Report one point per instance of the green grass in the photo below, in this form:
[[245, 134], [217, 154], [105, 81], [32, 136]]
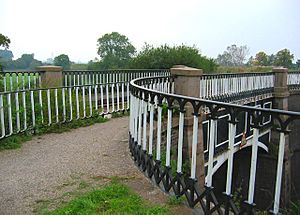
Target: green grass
[[173, 200], [114, 198], [14, 142], [293, 209]]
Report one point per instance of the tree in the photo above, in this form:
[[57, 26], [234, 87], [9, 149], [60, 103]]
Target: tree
[[4, 41], [62, 60], [115, 50], [261, 59], [6, 55], [298, 64], [164, 57], [284, 58], [233, 56], [271, 59], [26, 61]]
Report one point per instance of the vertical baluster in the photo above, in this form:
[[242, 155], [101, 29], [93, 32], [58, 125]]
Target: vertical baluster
[[231, 140], [40, 80], [34, 80], [24, 109], [56, 105], [151, 128], [123, 99], [23, 81], [77, 103], [17, 112], [140, 122], [70, 103], [63, 103], [101, 99], [131, 117], [17, 81], [194, 146], [253, 166], [41, 106], [9, 106], [66, 79], [107, 98], [118, 97], [2, 117], [145, 126], [113, 97], [128, 101], [32, 108], [279, 173], [96, 97], [136, 114], [180, 142], [90, 101], [158, 142], [212, 135], [169, 130], [49, 107], [11, 82], [83, 101]]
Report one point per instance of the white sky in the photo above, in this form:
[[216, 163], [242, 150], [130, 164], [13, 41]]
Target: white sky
[[48, 28]]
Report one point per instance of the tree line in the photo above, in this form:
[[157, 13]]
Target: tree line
[[237, 56], [116, 52]]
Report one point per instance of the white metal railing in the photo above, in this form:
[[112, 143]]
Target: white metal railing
[[225, 85], [25, 109], [83, 77], [157, 145], [293, 78], [21, 80]]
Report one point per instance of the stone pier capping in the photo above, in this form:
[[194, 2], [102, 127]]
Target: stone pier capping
[[51, 76], [280, 82], [187, 80]]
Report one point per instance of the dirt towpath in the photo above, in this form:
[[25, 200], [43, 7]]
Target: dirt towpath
[[51, 169]]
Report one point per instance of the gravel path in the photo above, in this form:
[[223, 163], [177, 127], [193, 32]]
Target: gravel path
[[48, 167], [35, 170]]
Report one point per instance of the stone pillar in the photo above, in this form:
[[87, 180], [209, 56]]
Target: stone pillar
[[51, 76], [281, 95], [187, 83]]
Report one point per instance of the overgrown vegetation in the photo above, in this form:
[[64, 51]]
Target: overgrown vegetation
[[243, 69], [173, 200], [14, 142], [165, 57], [115, 198], [293, 209]]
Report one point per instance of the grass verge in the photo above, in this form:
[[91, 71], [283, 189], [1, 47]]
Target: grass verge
[[114, 198], [15, 141]]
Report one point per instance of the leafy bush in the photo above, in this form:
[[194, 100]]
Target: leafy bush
[[165, 57]]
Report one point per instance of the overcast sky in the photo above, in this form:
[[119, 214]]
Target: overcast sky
[[48, 28]]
